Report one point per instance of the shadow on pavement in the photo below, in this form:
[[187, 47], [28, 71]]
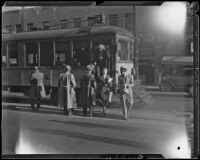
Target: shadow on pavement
[[58, 111], [109, 140], [28, 109], [105, 126]]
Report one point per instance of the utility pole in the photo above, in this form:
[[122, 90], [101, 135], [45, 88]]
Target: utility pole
[[136, 41], [22, 19]]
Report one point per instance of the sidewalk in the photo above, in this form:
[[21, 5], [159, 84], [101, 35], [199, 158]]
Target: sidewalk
[[151, 88], [112, 113]]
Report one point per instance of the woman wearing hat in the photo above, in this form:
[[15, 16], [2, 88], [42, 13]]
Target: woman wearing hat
[[104, 89], [37, 88], [66, 92], [125, 84], [87, 91]]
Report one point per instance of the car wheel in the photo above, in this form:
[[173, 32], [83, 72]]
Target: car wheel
[[166, 87]]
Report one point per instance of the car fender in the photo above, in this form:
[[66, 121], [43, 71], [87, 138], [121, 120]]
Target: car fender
[[162, 81]]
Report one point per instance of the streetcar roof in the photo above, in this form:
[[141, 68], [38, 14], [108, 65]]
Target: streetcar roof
[[76, 32]]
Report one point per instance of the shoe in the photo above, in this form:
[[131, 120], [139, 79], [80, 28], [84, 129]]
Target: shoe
[[64, 111], [125, 118], [32, 108], [69, 113]]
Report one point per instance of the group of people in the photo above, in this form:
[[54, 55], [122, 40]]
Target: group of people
[[93, 90]]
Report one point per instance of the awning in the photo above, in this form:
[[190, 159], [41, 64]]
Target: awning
[[184, 60]]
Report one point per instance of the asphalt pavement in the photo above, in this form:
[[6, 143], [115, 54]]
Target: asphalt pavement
[[159, 128]]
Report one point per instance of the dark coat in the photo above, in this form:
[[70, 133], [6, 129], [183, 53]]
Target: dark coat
[[104, 87], [37, 87], [66, 92], [87, 90]]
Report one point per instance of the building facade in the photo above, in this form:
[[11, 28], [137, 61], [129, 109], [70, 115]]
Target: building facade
[[152, 42]]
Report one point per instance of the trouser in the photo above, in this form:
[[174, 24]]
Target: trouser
[[123, 100], [91, 108], [110, 97], [67, 111]]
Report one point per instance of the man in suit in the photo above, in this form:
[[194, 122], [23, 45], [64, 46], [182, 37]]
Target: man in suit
[[88, 91], [37, 88], [125, 84]]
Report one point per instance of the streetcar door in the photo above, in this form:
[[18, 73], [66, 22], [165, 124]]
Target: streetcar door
[[106, 53]]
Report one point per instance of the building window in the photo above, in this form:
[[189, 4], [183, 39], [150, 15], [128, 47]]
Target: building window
[[46, 54], [91, 21], [19, 28], [62, 53], [30, 26], [64, 24], [77, 22], [45, 25], [113, 20], [4, 56], [128, 21], [31, 54], [9, 28], [13, 54]]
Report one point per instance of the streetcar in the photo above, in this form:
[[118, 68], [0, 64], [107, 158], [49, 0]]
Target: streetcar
[[51, 49]]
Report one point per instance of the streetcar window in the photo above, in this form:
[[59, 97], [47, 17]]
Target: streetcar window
[[122, 50], [64, 24], [45, 25], [4, 56], [81, 53], [31, 54], [13, 54], [19, 28], [46, 54], [30, 26], [91, 21], [62, 53]]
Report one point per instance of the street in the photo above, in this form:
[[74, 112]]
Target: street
[[157, 129]]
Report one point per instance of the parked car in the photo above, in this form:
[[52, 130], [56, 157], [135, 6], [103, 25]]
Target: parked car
[[173, 79]]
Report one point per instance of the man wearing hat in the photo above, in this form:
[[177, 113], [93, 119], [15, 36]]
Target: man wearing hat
[[66, 92], [104, 89], [87, 91], [37, 88], [125, 84]]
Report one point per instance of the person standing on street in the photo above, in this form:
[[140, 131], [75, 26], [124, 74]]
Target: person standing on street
[[37, 88], [125, 84], [66, 92], [104, 89], [87, 91]]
